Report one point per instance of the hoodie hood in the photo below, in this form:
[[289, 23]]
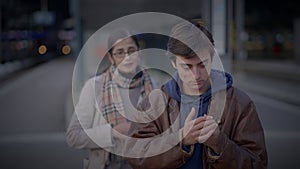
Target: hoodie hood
[[220, 81]]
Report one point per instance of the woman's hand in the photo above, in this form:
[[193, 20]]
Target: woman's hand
[[121, 130]]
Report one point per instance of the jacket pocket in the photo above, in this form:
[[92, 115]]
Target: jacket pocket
[[86, 163]]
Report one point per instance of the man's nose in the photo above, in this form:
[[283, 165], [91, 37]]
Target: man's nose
[[196, 72]]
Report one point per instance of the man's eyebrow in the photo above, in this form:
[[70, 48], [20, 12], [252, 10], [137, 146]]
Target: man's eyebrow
[[201, 62], [206, 60]]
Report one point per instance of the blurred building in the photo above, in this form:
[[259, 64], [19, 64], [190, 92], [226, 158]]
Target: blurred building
[[269, 29], [29, 32], [242, 29]]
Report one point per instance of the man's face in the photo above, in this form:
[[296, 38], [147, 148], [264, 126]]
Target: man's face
[[194, 72]]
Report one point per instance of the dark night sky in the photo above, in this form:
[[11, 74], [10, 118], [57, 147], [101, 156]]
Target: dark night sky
[[258, 13], [271, 13], [14, 12], [60, 6]]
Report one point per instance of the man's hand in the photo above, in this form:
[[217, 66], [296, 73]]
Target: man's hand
[[208, 129], [211, 137], [198, 130], [192, 128]]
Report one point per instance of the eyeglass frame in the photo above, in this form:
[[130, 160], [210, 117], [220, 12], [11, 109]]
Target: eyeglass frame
[[122, 54]]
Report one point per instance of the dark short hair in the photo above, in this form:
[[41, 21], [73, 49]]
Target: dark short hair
[[186, 36], [120, 34]]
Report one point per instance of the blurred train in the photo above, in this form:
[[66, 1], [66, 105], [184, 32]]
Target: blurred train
[[33, 37], [38, 44]]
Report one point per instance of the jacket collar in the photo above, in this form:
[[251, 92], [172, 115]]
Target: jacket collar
[[220, 81]]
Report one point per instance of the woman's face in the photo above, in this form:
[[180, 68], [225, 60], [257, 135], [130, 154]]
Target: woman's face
[[125, 55]]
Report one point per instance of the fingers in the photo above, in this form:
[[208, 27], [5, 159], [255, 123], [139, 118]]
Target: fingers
[[203, 127], [207, 131], [197, 120], [203, 124], [196, 124], [203, 138], [188, 124], [210, 125], [191, 115], [202, 131], [201, 119]]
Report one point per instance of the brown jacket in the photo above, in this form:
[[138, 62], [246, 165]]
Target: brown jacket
[[241, 136]]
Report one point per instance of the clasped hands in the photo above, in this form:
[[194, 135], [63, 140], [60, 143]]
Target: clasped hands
[[203, 129]]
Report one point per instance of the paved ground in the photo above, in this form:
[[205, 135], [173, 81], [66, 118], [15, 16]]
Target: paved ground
[[32, 119]]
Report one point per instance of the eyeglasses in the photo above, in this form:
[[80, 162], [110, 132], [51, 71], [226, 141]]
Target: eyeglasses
[[122, 53]]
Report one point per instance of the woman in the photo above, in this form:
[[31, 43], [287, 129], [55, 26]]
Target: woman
[[105, 102]]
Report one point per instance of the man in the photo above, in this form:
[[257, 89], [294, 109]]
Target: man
[[224, 134]]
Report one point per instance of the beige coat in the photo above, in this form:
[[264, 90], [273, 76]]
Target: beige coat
[[90, 125], [89, 130]]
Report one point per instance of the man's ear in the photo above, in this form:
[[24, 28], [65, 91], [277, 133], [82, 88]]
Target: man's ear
[[174, 63]]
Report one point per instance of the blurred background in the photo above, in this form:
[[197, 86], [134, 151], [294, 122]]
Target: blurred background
[[258, 43]]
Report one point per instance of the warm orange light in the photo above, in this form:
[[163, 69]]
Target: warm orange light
[[42, 49], [66, 49]]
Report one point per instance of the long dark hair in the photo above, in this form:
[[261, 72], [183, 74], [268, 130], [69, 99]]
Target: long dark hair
[[120, 34], [112, 39]]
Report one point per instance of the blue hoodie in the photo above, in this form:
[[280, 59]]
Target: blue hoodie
[[220, 81]]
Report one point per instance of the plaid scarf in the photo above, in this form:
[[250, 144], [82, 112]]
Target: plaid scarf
[[112, 105]]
